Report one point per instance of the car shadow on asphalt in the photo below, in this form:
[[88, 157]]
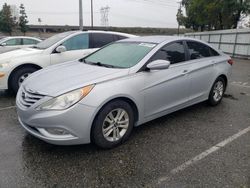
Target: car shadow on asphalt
[[166, 122]]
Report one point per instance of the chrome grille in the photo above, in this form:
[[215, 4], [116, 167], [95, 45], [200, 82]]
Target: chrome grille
[[29, 98]]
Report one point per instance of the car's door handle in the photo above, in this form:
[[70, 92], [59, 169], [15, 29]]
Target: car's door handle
[[185, 72]]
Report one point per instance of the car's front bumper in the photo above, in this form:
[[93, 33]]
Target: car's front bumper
[[77, 121]]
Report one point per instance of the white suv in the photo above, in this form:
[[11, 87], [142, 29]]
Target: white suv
[[16, 66]]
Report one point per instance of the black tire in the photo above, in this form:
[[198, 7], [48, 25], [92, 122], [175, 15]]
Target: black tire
[[97, 128], [211, 99], [14, 79]]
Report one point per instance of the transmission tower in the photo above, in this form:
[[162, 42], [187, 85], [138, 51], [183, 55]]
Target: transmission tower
[[105, 16]]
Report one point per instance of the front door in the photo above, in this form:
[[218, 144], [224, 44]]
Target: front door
[[167, 89], [77, 47]]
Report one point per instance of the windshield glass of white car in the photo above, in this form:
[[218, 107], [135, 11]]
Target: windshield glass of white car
[[120, 55], [52, 40]]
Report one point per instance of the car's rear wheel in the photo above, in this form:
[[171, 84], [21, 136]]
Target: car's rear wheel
[[18, 77], [113, 124], [217, 91]]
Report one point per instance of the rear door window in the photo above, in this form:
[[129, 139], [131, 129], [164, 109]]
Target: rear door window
[[174, 52], [119, 37], [198, 50], [29, 41], [99, 40]]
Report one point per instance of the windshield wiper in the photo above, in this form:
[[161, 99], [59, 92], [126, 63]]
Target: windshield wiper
[[98, 64], [36, 47], [104, 65]]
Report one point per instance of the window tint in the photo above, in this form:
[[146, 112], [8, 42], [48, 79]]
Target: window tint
[[77, 42], [174, 52], [99, 40], [29, 41], [13, 42], [198, 50], [213, 52], [119, 37]]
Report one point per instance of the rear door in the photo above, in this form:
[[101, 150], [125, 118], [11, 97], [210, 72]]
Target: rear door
[[76, 48], [167, 89], [202, 60]]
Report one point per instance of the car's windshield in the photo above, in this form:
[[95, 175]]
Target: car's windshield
[[2, 39], [52, 40], [121, 54]]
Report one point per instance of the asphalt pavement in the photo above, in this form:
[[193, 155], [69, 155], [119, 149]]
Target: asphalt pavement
[[200, 146]]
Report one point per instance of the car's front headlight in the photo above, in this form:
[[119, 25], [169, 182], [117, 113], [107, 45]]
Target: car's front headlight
[[66, 100], [3, 65]]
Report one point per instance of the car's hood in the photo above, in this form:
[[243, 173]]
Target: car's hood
[[4, 49], [65, 77], [19, 53]]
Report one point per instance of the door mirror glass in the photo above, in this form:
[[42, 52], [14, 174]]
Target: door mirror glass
[[3, 44], [61, 49], [158, 65]]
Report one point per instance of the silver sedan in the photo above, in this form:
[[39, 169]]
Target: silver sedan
[[101, 97]]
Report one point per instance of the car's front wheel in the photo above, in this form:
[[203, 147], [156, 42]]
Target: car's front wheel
[[18, 77], [217, 91], [113, 124]]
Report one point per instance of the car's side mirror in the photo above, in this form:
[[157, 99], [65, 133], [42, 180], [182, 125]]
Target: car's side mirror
[[61, 49], [3, 44], [158, 65]]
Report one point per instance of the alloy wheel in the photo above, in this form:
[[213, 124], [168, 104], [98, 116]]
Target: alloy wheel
[[218, 91], [115, 125]]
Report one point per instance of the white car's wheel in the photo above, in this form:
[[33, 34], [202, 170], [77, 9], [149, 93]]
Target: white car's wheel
[[18, 77]]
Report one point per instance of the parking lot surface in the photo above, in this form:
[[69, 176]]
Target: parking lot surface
[[200, 146]]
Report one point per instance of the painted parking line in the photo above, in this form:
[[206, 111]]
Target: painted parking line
[[241, 84], [204, 154], [7, 108]]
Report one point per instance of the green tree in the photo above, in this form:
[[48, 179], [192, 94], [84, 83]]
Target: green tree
[[23, 20], [214, 14], [6, 20]]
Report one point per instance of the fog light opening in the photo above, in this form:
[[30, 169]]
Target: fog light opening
[[56, 133]]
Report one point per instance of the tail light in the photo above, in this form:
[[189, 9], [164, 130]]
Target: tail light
[[230, 61]]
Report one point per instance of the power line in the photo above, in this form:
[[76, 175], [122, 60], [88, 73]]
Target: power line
[[156, 3], [58, 13]]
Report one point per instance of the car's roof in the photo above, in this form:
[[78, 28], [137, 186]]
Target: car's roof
[[25, 37], [112, 32], [101, 31], [156, 39]]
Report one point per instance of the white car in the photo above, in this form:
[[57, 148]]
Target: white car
[[16, 66], [13, 43]]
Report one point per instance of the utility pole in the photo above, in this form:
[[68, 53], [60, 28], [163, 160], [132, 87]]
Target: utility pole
[[80, 16], [92, 15], [40, 23]]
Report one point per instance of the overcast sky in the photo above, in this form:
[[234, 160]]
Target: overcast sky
[[144, 13]]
